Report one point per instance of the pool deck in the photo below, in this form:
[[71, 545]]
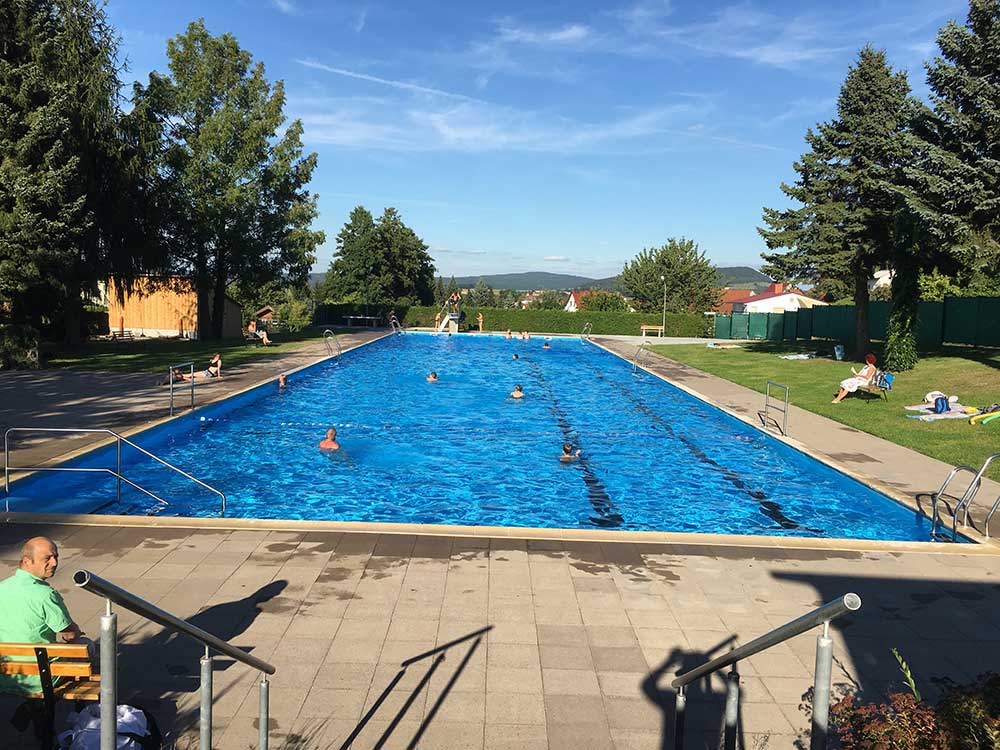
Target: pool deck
[[582, 638], [125, 401], [899, 471]]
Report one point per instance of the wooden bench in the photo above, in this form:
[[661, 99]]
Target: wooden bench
[[879, 391], [253, 338], [123, 338], [68, 661], [649, 329]]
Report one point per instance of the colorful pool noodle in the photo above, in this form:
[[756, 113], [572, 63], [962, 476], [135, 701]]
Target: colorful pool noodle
[[991, 417], [984, 417]]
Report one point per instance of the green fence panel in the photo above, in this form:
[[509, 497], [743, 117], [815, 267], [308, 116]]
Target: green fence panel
[[878, 320], [822, 327], [930, 325], [988, 331], [804, 324], [775, 322], [741, 325], [758, 325], [789, 324], [960, 320], [723, 327]]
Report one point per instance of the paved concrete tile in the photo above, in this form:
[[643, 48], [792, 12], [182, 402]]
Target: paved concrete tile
[[621, 684], [632, 713], [515, 708], [570, 682], [458, 706], [440, 735], [513, 655], [345, 650], [630, 739], [612, 659], [516, 737], [574, 709], [344, 675], [574, 737], [611, 635], [511, 680], [565, 657], [333, 703], [561, 635], [513, 632], [385, 734]]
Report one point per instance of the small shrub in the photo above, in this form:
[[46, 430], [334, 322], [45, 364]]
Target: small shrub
[[18, 347], [966, 718]]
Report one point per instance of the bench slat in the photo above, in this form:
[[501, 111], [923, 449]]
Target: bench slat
[[65, 650], [77, 690], [57, 668]]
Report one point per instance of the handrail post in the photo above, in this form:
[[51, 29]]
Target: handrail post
[[205, 713], [6, 471], [732, 708], [191, 376], [118, 442], [680, 704], [821, 690], [262, 719], [109, 678], [171, 377]]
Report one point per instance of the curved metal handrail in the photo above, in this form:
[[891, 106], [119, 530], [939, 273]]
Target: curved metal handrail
[[394, 324], [120, 439], [588, 327], [329, 335], [637, 357], [966, 500], [170, 377], [936, 496]]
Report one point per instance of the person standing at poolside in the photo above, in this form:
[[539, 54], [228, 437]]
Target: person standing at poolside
[[479, 320], [518, 392], [330, 443]]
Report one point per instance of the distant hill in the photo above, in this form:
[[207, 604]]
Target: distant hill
[[742, 277], [529, 280]]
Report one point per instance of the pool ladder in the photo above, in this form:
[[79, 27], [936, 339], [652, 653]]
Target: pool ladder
[[639, 356], [117, 473], [394, 325], [964, 503], [329, 336], [585, 333]]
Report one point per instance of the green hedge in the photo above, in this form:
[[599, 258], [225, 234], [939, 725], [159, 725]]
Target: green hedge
[[560, 321], [18, 347]]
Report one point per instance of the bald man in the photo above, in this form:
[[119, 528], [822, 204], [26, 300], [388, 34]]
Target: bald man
[[31, 611]]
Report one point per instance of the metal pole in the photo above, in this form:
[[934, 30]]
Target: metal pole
[[679, 706], [664, 332], [732, 708], [205, 714], [6, 471], [191, 376], [821, 690], [171, 376], [264, 685], [119, 442], [109, 678]]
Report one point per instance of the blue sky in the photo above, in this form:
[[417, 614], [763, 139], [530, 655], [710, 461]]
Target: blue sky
[[558, 136]]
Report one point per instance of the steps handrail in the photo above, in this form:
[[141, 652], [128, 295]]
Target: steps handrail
[[936, 496], [588, 327], [965, 502], [113, 594], [98, 586], [98, 430], [329, 335], [821, 615], [638, 356], [170, 377]]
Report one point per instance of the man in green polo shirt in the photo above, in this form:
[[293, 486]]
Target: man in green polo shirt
[[31, 611]]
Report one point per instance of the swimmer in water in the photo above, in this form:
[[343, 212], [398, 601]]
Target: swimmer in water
[[282, 381], [508, 335], [568, 454], [546, 345], [518, 392], [432, 378], [330, 443], [514, 356]]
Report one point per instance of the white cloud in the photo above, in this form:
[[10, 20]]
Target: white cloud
[[360, 20], [555, 259], [568, 34], [446, 251], [285, 6]]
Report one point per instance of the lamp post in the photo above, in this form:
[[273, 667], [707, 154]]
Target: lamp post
[[664, 280]]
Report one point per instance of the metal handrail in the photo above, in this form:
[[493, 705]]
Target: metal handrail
[[936, 496], [965, 502], [121, 478], [329, 335], [989, 517], [394, 325], [637, 357], [170, 375], [111, 593], [763, 416], [588, 327], [849, 602]]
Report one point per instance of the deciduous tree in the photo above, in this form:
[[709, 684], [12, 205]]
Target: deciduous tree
[[691, 280]]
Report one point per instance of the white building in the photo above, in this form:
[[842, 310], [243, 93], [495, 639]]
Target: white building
[[776, 298]]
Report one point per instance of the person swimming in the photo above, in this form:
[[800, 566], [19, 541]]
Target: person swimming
[[546, 345], [518, 392], [514, 356], [330, 443], [508, 335], [568, 454], [282, 381], [432, 378]]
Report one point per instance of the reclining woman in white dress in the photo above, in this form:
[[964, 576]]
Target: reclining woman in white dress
[[860, 379]]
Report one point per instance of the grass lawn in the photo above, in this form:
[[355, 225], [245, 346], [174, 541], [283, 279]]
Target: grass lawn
[[971, 374], [156, 355]]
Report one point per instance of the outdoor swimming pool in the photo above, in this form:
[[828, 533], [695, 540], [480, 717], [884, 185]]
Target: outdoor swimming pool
[[461, 451]]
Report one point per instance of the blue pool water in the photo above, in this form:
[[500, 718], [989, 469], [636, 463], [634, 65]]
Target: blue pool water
[[461, 451]]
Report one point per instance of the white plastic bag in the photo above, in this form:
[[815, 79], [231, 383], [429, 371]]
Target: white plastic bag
[[85, 728]]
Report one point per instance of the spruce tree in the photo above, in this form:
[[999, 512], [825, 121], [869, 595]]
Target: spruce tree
[[439, 293], [845, 225]]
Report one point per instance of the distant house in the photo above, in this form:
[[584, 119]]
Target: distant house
[[729, 296], [164, 307], [777, 297], [530, 298], [264, 313], [574, 303], [880, 279]]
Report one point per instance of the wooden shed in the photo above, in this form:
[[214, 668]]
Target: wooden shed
[[160, 307]]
